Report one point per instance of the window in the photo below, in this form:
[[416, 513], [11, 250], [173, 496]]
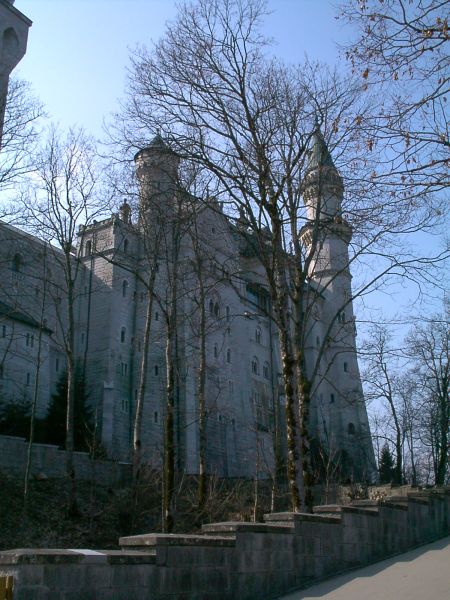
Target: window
[[28, 339], [125, 246], [28, 378], [258, 335], [156, 369], [124, 288], [88, 248], [216, 310], [216, 351], [351, 429], [124, 369], [17, 263], [123, 333], [227, 312], [266, 370], [211, 307], [3, 330], [57, 365], [155, 416], [345, 367], [228, 356], [341, 317], [255, 366], [318, 341], [156, 316], [331, 398], [1, 371]]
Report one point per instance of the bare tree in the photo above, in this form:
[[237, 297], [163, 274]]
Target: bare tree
[[382, 384], [401, 49], [20, 135], [60, 196], [250, 122], [428, 346]]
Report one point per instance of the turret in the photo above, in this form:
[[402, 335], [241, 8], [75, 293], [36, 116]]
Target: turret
[[326, 234], [157, 172], [322, 186], [13, 44]]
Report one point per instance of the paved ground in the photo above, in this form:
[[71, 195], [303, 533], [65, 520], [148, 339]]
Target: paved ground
[[422, 574]]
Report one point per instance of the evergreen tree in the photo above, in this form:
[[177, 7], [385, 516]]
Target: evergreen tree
[[57, 411], [386, 467]]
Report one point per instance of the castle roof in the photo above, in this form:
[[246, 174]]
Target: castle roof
[[157, 144], [319, 155]]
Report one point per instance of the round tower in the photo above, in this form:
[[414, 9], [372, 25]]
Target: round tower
[[157, 173]]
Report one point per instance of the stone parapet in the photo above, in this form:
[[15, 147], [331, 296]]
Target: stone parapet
[[232, 559]]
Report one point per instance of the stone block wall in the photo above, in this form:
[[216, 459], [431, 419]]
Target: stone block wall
[[50, 461], [249, 561]]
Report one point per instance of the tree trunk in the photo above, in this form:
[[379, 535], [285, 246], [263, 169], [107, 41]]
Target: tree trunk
[[202, 401]]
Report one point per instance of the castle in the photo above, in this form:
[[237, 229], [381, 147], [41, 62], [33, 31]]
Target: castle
[[215, 270]]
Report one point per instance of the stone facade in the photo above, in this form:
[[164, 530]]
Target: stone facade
[[13, 44], [244, 398], [249, 561]]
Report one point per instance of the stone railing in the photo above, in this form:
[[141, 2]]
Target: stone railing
[[235, 560]]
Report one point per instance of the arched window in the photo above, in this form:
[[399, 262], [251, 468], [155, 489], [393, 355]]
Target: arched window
[[255, 366], [228, 356], [123, 332], [266, 370], [124, 288], [216, 310], [258, 335], [125, 246], [351, 429], [17, 263], [88, 248]]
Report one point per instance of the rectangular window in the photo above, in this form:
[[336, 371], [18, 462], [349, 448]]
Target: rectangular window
[[345, 367], [331, 398], [155, 417], [28, 379]]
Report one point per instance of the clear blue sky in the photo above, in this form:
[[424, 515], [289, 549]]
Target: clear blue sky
[[78, 49], [78, 54]]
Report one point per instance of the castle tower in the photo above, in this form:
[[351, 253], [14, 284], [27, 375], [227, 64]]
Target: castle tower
[[340, 415], [13, 44], [157, 173]]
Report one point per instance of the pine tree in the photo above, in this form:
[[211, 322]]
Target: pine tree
[[55, 421], [387, 466]]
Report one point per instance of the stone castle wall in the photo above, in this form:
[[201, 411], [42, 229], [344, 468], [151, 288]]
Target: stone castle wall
[[234, 560], [50, 461]]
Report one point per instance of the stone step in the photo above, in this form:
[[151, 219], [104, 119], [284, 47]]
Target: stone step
[[152, 540], [290, 518], [230, 528]]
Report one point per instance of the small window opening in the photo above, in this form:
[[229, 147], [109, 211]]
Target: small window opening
[[124, 288], [216, 310], [123, 333], [351, 429], [156, 316], [258, 335], [155, 416], [3, 330], [156, 370], [227, 313], [228, 356], [17, 263], [345, 367], [331, 398], [216, 351], [88, 248], [28, 378], [125, 246]]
